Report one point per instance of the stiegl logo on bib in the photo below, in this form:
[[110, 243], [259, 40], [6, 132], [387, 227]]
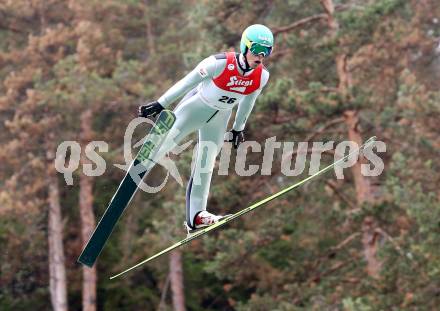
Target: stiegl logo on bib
[[239, 85]]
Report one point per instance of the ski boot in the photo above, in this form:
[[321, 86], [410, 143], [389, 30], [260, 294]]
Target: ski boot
[[202, 220]]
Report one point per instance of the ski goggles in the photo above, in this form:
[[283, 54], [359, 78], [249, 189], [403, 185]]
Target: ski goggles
[[258, 48]]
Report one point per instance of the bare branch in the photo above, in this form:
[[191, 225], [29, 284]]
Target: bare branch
[[345, 242], [389, 238], [163, 296], [300, 23], [324, 127], [306, 20], [341, 196]]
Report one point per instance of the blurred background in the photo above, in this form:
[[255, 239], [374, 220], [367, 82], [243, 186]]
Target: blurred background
[[341, 70]]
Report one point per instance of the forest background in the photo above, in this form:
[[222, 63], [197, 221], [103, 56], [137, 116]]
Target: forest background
[[341, 70]]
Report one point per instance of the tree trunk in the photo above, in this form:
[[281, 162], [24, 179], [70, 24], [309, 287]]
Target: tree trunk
[[150, 35], [57, 269], [363, 188], [87, 216], [364, 193], [176, 277], [362, 184]]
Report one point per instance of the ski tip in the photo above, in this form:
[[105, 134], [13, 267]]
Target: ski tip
[[368, 142], [127, 270], [371, 139]]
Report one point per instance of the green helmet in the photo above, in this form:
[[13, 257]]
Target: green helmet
[[258, 39]]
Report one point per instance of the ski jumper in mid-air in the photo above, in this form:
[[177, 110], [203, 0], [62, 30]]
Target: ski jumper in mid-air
[[212, 90]]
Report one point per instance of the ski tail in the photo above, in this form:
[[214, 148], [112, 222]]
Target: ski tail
[[127, 188]]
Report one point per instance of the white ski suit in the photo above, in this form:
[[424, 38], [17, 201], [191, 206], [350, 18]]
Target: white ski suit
[[212, 89]]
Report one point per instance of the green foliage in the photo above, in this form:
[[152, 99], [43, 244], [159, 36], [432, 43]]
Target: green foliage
[[303, 252], [23, 280], [357, 304], [358, 25], [279, 96]]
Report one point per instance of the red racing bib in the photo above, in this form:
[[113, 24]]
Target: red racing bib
[[232, 81]]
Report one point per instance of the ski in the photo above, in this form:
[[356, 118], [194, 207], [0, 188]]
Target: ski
[[127, 188], [246, 210]]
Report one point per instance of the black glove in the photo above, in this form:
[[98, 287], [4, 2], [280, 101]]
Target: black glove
[[235, 137], [150, 110]]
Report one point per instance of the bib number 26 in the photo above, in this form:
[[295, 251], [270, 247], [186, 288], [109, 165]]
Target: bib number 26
[[227, 100]]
